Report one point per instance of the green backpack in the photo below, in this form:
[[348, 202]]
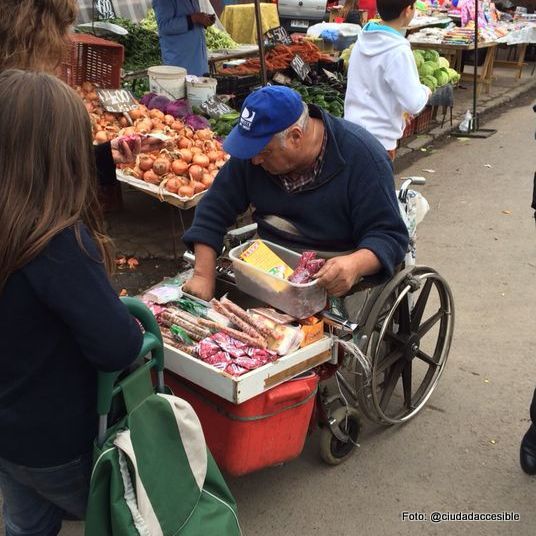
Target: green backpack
[[153, 474]]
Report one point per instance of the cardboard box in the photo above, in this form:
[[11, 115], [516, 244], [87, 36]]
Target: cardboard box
[[312, 329]]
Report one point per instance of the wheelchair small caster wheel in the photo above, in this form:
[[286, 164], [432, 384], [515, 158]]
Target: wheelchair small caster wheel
[[333, 450]]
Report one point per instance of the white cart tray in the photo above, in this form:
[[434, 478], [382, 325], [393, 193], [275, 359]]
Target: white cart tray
[[253, 383]]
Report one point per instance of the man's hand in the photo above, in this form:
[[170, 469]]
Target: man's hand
[[202, 287], [340, 274], [202, 19]]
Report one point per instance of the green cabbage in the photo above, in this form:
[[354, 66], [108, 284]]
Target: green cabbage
[[442, 77], [430, 82], [428, 68], [454, 77], [419, 59], [443, 62], [431, 55]]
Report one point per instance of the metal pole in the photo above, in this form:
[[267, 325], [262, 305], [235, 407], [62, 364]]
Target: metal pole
[[475, 73], [260, 40]]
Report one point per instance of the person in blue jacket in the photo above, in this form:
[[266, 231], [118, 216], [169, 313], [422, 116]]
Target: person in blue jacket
[[315, 182], [181, 28], [60, 318]]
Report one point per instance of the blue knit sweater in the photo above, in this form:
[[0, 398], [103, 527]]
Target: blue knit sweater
[[352, 204], [60, 321]]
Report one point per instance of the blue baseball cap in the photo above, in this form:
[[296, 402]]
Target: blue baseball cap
[[265, 112]]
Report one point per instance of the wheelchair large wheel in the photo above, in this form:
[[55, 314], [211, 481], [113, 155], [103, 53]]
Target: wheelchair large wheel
[[409, 331]]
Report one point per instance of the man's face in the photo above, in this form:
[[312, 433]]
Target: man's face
[[280, 156]]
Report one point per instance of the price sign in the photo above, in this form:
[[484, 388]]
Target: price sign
[[116, 100], [277, 36], [215, 107], [299, 66]]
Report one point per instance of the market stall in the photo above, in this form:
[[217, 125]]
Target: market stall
[[454, 52]]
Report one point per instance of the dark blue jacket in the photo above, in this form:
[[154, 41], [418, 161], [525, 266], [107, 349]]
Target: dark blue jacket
[[60, 320], [352, 205]]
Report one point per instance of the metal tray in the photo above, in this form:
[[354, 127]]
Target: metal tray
[[299, 301]]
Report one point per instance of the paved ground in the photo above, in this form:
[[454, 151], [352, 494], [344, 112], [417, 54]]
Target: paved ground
[[461, 453]]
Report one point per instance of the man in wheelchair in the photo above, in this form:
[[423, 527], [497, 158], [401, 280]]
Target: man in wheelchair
[[315, 182]]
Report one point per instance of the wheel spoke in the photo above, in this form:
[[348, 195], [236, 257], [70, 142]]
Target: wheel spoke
[[395, 337], [430, 323], [391, 384], [389, 360], [420, 306], [426, 358], [406, 383], [404, 318]]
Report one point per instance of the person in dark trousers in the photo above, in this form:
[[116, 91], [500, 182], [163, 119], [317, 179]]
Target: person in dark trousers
[[527, 454], [60, 318], [315, 182], [34, 36]]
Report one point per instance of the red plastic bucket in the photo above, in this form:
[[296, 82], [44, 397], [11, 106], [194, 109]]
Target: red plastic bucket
[[267, 430]]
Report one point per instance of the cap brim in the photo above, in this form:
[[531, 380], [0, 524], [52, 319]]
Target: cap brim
[[244, 147]]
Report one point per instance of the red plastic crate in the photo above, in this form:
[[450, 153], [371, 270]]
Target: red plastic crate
[[267, 430], [92, 59], [409, 130], [423, 121]]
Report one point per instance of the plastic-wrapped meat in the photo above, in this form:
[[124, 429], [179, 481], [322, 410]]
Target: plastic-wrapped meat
[[263, 356], [249, 363], [235, 370], [220, 360], [307, 267], [207, 348], [315, 265], [305, 258]]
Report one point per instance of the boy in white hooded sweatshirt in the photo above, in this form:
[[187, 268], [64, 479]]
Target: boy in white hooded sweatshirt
[[383, 82]]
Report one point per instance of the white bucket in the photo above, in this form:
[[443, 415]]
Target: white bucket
[[167, 80], [199, 89]]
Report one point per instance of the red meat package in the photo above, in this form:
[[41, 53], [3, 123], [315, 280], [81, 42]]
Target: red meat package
[[220, 360], [235, 370], [228, 344], [308, 266], [207, 348]]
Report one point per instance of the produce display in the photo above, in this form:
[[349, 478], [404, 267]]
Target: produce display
[[219, 40], [142, 47], [192, 155], [434, 70], [279, 58], [323, 95], [223, 125]]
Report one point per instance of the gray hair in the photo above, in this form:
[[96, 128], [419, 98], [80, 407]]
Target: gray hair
[[301, 123]]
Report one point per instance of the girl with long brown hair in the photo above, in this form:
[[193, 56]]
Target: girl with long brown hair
[[60, 318]]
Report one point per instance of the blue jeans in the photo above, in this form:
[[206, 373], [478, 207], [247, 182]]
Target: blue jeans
[[37, 499]]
